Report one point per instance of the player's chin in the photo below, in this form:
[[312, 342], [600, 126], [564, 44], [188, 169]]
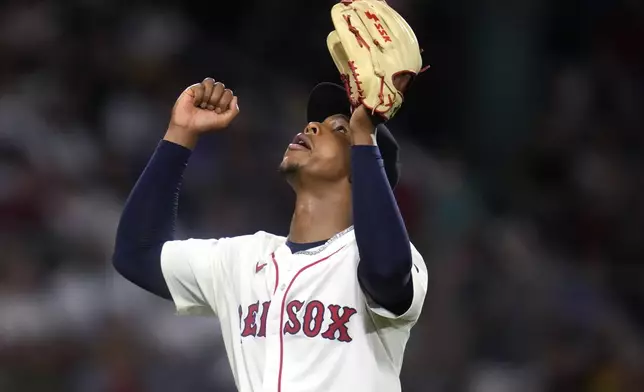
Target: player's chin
[[289, 167], [291, 161]]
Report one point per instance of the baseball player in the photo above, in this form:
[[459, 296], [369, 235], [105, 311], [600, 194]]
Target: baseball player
[[327, 308]]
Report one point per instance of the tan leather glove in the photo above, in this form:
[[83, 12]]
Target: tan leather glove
[[371, 45]]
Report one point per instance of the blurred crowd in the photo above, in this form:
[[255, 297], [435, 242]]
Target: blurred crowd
[[522, 150]]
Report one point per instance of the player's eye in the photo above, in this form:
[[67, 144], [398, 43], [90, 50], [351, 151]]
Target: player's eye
[[341, 128]]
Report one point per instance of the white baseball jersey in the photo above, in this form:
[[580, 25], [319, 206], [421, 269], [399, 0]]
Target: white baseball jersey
[[293, 322]]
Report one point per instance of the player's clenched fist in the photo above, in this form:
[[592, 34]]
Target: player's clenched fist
[[203, 107]]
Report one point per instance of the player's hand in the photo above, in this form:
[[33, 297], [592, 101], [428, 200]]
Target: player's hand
[[203, 107], [361, 126]]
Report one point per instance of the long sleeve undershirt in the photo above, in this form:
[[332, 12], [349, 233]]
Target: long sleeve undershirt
[[385, 264], [148, 219]]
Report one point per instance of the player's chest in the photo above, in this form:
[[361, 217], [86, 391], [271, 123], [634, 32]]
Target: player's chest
[[330, 274]]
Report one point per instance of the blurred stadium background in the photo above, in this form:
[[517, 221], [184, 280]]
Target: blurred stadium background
[[522, 184]]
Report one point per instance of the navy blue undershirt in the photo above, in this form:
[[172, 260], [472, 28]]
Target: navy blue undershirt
[[299, 247], [149, 216]]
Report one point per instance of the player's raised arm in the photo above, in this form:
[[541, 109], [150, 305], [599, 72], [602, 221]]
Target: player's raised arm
[[149, 215], [385, 265]]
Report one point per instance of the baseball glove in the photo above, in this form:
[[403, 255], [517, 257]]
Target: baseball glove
[[371, 45]]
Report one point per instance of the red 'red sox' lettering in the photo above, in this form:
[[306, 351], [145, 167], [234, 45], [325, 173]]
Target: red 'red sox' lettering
[[310, 322], [378, 26], [339, 323], [293, 325], [262, 329], [313, 319], [250, 327]]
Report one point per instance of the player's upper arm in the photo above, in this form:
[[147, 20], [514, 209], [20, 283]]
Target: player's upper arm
[[201, 274], [191, 269], [419, 282]]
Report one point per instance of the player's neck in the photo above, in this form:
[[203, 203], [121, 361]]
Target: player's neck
[[319, 217]]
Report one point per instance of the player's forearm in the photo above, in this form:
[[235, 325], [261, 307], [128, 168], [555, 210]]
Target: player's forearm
[[148, 219], [381, 236]]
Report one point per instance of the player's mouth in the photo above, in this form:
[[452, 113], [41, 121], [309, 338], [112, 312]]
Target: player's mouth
[[300, 142]]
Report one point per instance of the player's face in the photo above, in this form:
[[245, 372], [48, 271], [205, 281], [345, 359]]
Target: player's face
[[321, 151]]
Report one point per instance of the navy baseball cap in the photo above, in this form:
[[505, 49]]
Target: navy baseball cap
[[328, 99]]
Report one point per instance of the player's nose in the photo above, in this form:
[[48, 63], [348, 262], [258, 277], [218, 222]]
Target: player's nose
[[312, 128]]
